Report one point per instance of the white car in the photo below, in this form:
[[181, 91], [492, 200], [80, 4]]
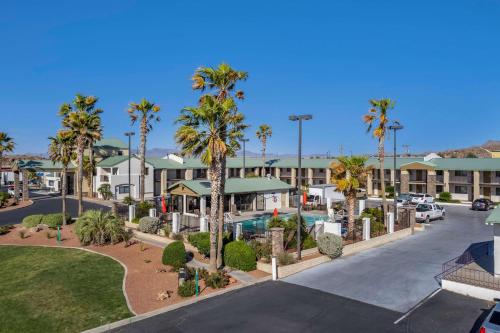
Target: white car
[[429, 211], [418, 198]]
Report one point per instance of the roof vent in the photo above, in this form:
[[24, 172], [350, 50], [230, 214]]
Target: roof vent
[[174, 158], [431, 156]]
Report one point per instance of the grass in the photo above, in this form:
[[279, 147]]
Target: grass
[[58, 290]]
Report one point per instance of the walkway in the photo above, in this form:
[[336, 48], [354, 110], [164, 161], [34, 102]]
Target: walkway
[[400, 274]]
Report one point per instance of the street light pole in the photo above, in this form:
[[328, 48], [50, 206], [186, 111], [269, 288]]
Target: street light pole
[[244, 155], [395, 126], [299, 118], [129, 134]]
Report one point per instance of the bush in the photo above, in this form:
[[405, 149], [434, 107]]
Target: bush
[[285, 258], [445, 196], [54, 220], [5, 229], [187, 289], [105, 191], [309, 242], [31, 221], [262, 250], [290, 226], [330, 245], [150, 225], [178, 237], [390, 191], [240, 255], [136, 220], [128, 200], [4, 196], [217, 280], [142, 209], [201, 241], [174, 255], [98, 227]]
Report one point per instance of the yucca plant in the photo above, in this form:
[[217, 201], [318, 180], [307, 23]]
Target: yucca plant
[[99, 228]]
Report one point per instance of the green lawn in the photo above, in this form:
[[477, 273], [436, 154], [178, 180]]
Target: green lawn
[[58, 290]]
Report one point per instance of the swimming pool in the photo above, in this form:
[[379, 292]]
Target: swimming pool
[[259, 224]]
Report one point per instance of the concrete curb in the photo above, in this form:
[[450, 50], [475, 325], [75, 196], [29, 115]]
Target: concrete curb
[[91, 251]]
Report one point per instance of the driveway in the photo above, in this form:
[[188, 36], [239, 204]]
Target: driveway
[[400, 274], [45, 205]]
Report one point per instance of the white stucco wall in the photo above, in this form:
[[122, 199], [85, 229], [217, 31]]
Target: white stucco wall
[[272, 200]]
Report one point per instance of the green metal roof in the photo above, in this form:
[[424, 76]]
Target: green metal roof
[[111, 143], [494, 217], [389, 161], [468, 164], [112, 161], [237, 185], [42, 165], [419, 162]]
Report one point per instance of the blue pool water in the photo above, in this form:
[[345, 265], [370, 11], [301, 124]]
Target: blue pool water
[[259, 224]]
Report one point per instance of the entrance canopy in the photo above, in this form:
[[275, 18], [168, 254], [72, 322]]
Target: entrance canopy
[[43, 165]]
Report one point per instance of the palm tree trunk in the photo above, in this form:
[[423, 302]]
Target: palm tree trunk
[[80, 147], [214, 180], [264, 156], [351, 203], [16, 186], [382, 175], [143, 159], [222, 185], [1, 165], [91, 170], [63, 194]]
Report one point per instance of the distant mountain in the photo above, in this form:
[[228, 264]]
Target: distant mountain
[[473, 151]]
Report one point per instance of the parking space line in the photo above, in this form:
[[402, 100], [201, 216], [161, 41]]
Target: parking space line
[[409, 312]]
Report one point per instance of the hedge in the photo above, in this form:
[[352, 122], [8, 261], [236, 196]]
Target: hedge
[[201, 241], [54, 220], [174, 255], [31, 221], [240, 255]]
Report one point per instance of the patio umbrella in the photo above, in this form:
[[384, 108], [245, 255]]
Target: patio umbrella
[[275, 213], [163, 205]]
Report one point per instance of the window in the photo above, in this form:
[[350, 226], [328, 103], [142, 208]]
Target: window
[[120, 153], [460, 189], [460, 173], [114, 171], [146, 172], [177, 202], [51, 183], [192, 205], [497, 191], [497, 174], [123, 189]]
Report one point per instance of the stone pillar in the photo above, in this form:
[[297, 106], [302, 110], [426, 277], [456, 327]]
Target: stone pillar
[[310, 173], [405, 181], [277, 172], [189, 174], [242, 173], [413, 218], [203, 206], [431, 182], [26, 192], [277, 241], [152, 212], [131, 212], [369, 184], [366, 228], [163, 181], [446, 180], [256, 172], [328, 177], [203, 224], [184, 204], [475, 182], [176, 217], [293, 177]]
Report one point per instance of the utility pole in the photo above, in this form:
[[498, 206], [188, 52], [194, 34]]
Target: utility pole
[[395, 126], [407, 149], [244, 156], [129, 134]]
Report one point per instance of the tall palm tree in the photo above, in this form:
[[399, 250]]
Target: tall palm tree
[[265, 131], [61, 149], [147, 113], [378, 120], [82, 118], [6, 145], [200, 135], [221, 81], [348, 175]]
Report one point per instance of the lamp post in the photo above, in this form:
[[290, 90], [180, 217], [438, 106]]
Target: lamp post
[[395, 126], [129, 134], [244, 156], [299, 118]]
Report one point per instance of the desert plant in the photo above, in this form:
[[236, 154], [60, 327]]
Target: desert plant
[[390, 191], [4, 197], [217, 280], [128, 200], [136, 220], [5, 229], [240, 255], [23, 233], [100, 228], [201, 241], [187, 289], [50, 234], [174, 255], [309, 242], [285, 258], [150, 225], [445, 196], [105, 191], [261, 249], [54, 220], [330, 245], [142, 209], [31, 221]]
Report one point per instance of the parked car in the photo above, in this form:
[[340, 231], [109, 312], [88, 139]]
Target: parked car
[[482, 204], [403, 199], [429, 211], [492, 322], [417, 198]]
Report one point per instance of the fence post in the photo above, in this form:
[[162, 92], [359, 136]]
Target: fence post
[[152, 212], [366, 228], [361, 206], [175, 222], [390, 222], [131, 212], [274, 268]]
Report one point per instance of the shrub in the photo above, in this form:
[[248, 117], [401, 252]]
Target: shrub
[[202, 273], [150, 225], [285, 258], [187, 289], [217, 280], [330, 245], [23, 233], [105, 191], [261, 249], [142, 209], [54, 220], [4, 196], [128, 200], [309, 242], [31, 221], [5, 229], [201, 241], [136, 220], [178, 237], [98, 227], [290, 227], [390, 191], [240, 255], [174, 255], [445, 196]]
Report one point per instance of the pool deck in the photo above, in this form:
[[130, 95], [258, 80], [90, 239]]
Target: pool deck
[[251, 215]]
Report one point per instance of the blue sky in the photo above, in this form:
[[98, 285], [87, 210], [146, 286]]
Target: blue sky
[[438, 59]]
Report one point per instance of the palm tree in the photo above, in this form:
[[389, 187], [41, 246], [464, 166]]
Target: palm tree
[[265, 131], [222, 82], [348, 175], [377, 119], [61, 150], [83, 120], [147, 113], [6, 145]]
